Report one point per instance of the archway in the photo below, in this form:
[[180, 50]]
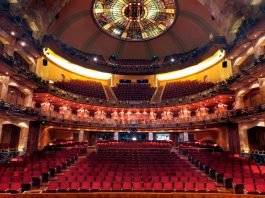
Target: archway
[[256, 138], [10, 136], [252, 98], [15, 96]]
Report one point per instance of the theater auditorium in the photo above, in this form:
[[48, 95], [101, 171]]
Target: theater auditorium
[[132, 98]]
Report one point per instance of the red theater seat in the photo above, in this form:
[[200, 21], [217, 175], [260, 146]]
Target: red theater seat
[[127, 186], [85, 186], [64, 186], [52, 186], [211, 187], [148, 186], [95, 186], [189, 186], [178, 186], [157, 186], [15, 188], [249, 188], [106, 186], [74, 186], [137, 186], [260, 188], [117, 186], [168, 186], [200, 187], [4, 187]]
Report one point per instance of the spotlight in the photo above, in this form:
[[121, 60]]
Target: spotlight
[[13, 33], [172, 60]]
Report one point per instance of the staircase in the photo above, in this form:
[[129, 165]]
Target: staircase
[[158, 94], [110, 94]]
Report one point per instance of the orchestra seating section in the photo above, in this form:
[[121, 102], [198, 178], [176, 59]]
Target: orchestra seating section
[[133, 167], [25, 172], [241, 174], [184, 88], [134, 91], [87, 88]]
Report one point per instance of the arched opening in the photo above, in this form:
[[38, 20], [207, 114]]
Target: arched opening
[[15, 96], [256, 138], [10, 136], [252, 98]]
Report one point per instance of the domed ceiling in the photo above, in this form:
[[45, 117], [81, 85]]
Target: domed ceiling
[[134, 20], [134, 29]]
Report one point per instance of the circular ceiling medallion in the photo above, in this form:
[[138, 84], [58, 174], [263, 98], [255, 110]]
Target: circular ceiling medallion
[[134, 20]]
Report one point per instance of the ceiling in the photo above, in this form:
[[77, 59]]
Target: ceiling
[[76, 27], [73, 23]]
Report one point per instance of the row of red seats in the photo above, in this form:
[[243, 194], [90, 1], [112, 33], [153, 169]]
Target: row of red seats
[[35, 169], [184, 88], [86, 88], [119, 171], [143, 178], [14, 187], [242, 175], [63, 186], [134, 91]]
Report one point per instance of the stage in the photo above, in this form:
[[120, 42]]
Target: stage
[[128, 195]]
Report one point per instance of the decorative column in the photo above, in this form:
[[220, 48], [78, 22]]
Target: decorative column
[[243, 137], [150, 136], [4, 88], [233, 137], [1, 130], [28, 100], [10, 48], [239, 102], [33, 137], [81, 136], [258, 51], [23, 137], [262, 89], [116, 136]]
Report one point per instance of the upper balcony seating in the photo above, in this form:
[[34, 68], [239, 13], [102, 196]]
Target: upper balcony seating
[[134, 170], [132, 62], [86, 88], [184, 88], [243, 175], [133, 91]]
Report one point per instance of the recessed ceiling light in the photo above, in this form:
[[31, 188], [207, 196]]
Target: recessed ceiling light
[[13, 33], [23, 43]]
